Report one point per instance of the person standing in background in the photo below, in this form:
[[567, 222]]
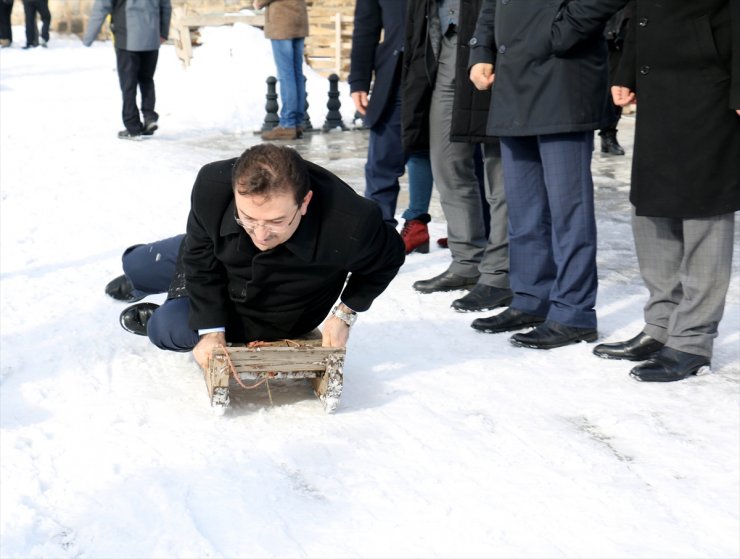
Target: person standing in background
[[546, 67], [614, 32], [380, 63], [139, 27], [443, 110], [6, 30], [685, 177], [286, 25], [31, 8]]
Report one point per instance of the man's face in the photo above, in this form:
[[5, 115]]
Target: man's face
[[270, 221]]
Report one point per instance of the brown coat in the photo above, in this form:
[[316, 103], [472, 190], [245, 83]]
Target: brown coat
[[285, 19]]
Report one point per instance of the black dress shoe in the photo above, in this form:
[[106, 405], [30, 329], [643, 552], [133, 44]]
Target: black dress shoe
[[135, 318], [446, 281], [121, 289], [552, 334], [510, 319], [483, 298], [639, 348], [669, 365]]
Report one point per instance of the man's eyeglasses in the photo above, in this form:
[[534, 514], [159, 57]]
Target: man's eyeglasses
[[250, 225]]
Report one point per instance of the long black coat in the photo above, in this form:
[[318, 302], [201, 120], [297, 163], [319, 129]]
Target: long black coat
[[683, 61], [550, 64], [371, 56], [289, 290], [421, 49]]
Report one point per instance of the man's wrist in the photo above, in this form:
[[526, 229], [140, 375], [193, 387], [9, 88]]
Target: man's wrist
[[344, 313]]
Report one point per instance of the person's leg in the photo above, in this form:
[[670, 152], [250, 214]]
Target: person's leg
[[532, 269], [566, 161], [151, 267], [168, 326], [494, 265], [454, 172], [300, 81], [43, 9], [421, 181], [385, 161], [704, 274], [128, 69], [32, 34], [145, 77], [282, 52], [6, 29], [659, 249]]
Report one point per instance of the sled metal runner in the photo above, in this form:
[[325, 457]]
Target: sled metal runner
[[284, 359]]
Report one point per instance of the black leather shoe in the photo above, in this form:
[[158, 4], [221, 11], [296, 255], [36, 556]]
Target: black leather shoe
[[670, 365], [150, 127], [552, 334], [446, 281], [135, 318], [483, 298], [609, 143], [639, 348], [121, 289], [510, 319]]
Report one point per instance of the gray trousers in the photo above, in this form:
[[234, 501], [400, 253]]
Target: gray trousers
[[686, 265], [453, 169]]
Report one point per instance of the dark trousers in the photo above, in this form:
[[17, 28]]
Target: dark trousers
[[31, 8], [552, 229], [136, 71], [6, 31], [386, 161], [150, 268]]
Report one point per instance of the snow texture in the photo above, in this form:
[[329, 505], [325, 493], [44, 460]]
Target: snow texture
[[446, 443]]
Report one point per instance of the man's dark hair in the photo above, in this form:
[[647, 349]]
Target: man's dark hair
[[267, 169]]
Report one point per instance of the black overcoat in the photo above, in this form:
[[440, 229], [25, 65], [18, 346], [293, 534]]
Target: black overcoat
[[421, 48], [683, 61], [550, 64], [372, 58], [288, 290]]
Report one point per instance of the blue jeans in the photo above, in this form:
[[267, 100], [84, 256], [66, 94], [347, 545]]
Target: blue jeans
[[420, 185], [288, 54]]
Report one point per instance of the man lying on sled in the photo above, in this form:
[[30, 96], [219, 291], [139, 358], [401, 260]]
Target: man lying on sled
[[272, 242]]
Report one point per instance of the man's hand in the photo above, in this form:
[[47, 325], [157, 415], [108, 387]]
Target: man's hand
[[360, 99], [335, 332], [482, 76], [622, 96], [257, 4], [204, 348]]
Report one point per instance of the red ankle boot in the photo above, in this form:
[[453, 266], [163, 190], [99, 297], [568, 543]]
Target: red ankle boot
[[415, 234]]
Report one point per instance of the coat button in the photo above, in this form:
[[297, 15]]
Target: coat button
[[643, 22], [645, 70], [502, 49], [472, 42]]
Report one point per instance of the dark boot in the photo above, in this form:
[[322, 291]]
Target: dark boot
[[446, 281], [670, 365], [609, 143], [135, 318], [510, 319], [483, 298], [639, 348]]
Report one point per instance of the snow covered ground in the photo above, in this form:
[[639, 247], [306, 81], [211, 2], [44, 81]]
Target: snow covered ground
[[447, 443]]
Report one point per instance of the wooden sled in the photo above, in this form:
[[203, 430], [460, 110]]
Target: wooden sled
[[261, 362]]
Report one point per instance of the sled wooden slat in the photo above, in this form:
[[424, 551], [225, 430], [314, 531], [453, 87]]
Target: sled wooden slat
[[285, 359]]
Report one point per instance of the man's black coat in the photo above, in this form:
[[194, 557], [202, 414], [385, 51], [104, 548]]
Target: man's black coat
[[289, 290], [369, 55]]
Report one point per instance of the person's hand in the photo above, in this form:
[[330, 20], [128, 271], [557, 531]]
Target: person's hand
[[162, 40], [360, 100], [335, 332], [257, 4], [205, 346], [737, 111], [482, 76], [622, 96]]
